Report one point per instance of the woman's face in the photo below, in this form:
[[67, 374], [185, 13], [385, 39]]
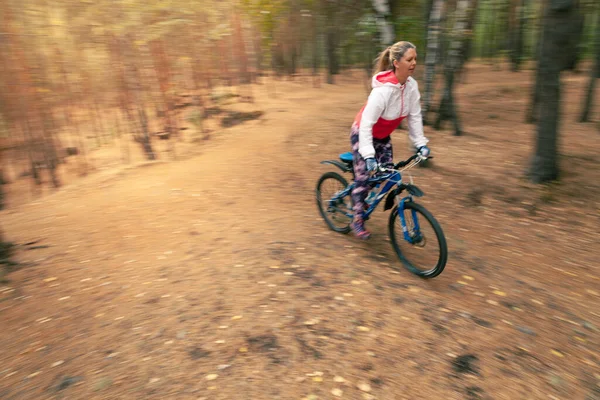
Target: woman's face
[[405, 67]]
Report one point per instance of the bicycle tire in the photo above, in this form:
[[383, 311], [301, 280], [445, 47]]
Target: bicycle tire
[[439, 233], [345, 227]]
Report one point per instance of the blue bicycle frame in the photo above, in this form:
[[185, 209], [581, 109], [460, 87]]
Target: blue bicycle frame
[[392, 179]]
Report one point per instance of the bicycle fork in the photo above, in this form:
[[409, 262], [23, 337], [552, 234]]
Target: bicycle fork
[[412, 235]]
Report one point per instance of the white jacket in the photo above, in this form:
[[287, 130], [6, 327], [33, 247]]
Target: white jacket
[[388, 104]]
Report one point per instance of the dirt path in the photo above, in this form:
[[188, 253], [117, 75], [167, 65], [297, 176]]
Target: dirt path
[[214, 277]]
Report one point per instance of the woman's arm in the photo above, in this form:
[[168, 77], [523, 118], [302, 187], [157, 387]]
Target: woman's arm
[[415, 119], [371, 113]]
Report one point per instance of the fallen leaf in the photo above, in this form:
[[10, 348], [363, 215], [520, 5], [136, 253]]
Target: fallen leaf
[[338, 379], [469, 278], [462, 283], [236, 317], [356, 282], [211, 377], [243, 350], [337, 392], [50, 279], [365, 387], [317, 379], [499, 293], [492, 302], [363, 329], [557, 353]]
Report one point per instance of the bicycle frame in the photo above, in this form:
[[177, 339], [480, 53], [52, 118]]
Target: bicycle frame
[[392, 179]]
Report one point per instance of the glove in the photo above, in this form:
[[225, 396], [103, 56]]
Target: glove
[[371, 164], [424, 151]]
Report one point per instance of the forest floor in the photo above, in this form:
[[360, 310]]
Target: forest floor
[[213, 276]]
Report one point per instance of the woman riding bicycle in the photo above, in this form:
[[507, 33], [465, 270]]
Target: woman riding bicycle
[[395, 96]]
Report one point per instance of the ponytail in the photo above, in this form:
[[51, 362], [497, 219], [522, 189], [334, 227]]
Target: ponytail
[[382, 62]]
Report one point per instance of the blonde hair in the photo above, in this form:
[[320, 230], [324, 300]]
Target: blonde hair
[[385, 60]]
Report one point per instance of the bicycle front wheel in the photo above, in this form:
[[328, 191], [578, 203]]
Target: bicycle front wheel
[[422, 247], [335, 210]]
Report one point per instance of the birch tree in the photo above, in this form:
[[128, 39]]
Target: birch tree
[[386, 28], [447, 108], [433, 33]]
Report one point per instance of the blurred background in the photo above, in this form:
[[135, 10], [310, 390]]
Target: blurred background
[[209, 274], [78, 74]]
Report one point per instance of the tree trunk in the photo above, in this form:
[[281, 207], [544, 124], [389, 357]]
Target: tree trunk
[[426, 16], [134, 98], [594, 74], [386, 28], [468, 41], [515, 35], [448, 109], [559, 31], [240, 47], [315, 48], [433, 31], [577, 45], [331, 55], [489, 30], [569, 33], [6, 249], [2, 183]]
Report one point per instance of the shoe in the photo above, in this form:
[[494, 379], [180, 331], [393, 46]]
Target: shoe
[[358, 227]]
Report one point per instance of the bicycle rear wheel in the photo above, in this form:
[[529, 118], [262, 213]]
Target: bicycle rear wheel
[[425, 252], [336, 211]]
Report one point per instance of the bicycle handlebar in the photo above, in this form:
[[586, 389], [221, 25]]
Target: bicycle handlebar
[[406, 162], [380, 178]]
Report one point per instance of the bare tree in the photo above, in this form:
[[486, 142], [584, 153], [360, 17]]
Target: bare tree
[[594, 74], [516, 32], [386, 28], [559, 33], [447, 108], [433, 32], [569, 33]]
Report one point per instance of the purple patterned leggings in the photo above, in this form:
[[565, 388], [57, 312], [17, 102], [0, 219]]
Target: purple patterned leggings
[[383, 154]]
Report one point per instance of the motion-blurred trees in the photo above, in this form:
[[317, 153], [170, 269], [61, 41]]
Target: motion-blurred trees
[[79, 75]]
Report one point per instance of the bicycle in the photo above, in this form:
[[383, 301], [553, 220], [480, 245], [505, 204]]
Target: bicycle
[[337, 211]]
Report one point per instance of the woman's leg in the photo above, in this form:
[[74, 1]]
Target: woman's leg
[[384, 152], [361, 187]]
